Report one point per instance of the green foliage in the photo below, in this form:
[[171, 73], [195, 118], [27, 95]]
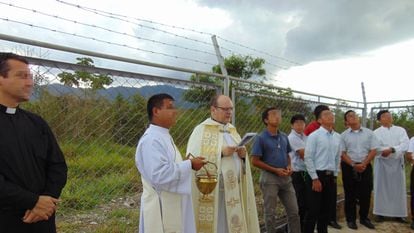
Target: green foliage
[[72, 117], [91, 118], [85, 78], [98, 172], [404, 118], [244, 67], [187, 120], [237, 66], [129, 119], [249, 108], [201, 94], [118, 219], [122, 224], [339, 119]]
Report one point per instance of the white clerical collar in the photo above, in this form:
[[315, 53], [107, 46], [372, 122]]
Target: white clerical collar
[[11, 110], [7, 110]]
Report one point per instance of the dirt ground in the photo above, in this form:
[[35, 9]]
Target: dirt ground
[[386, 227], [90, 222]]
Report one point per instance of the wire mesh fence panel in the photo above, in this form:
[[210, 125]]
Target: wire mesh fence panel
[[99, 114], [98, 128]]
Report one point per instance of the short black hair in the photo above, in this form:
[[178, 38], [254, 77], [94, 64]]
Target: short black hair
[[319, 109], [4, 66], [347, 112], [297, 117], [381, 112], [156, 101], [265, 113]]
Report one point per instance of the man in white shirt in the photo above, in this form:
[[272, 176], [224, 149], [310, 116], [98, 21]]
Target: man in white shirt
[[297, 140], [166, 205], [322, 155], [359, 146], [410, 157], [390, 197]]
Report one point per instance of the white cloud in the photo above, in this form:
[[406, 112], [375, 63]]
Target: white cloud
[[386, 73]]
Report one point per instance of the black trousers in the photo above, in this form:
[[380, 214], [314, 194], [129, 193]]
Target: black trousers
[[319, 204], [332, 211], [12, 223], [412, 192], [298, 181], [358, 188]]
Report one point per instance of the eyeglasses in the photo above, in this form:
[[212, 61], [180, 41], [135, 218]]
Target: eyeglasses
[[229, 109]]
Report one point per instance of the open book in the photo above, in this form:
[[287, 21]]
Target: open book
[[247, 138]]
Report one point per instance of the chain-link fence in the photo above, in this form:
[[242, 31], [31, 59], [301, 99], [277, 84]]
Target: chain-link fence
[[98, 129]]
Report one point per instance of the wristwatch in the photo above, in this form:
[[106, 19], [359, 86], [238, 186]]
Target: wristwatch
[[392, 150], [353, 164]]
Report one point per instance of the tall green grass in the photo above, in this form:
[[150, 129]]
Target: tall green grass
[[98, 172]]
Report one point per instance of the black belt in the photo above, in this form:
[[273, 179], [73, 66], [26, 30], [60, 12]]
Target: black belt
[[325, 172]]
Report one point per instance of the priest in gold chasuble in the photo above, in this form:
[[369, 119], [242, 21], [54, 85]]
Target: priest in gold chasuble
[[231, 207]]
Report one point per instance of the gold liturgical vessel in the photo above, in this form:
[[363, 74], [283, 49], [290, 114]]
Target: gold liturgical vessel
[[206, 179]]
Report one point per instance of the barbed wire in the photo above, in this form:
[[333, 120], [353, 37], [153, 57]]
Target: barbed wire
[[107, 42], [259, 51], [111, 15], [126, 18], [145, 20], [266, 63], [119, 17], [232, 52], [107, 29]]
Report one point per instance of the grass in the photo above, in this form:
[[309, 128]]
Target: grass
[[116, 220], [99, 173]]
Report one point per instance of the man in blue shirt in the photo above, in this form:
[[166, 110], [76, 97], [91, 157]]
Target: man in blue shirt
[[322, 155], [270, 153]]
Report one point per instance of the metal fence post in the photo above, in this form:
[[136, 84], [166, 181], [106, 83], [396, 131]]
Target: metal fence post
[[222, 66]]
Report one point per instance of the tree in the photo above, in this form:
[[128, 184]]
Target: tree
[[85, 78], [238, 66], [244, 67], [129, 121], [201, 94]]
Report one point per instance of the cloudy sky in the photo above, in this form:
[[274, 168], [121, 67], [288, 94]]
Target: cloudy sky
[[324, 47]]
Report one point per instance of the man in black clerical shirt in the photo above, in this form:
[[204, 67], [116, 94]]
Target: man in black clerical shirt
[[33, 171]]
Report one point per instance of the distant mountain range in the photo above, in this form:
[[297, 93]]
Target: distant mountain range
[[126, 92]]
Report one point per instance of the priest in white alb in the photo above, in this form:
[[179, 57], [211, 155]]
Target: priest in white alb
[[390, 199], [232, 205], [166, 205]]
